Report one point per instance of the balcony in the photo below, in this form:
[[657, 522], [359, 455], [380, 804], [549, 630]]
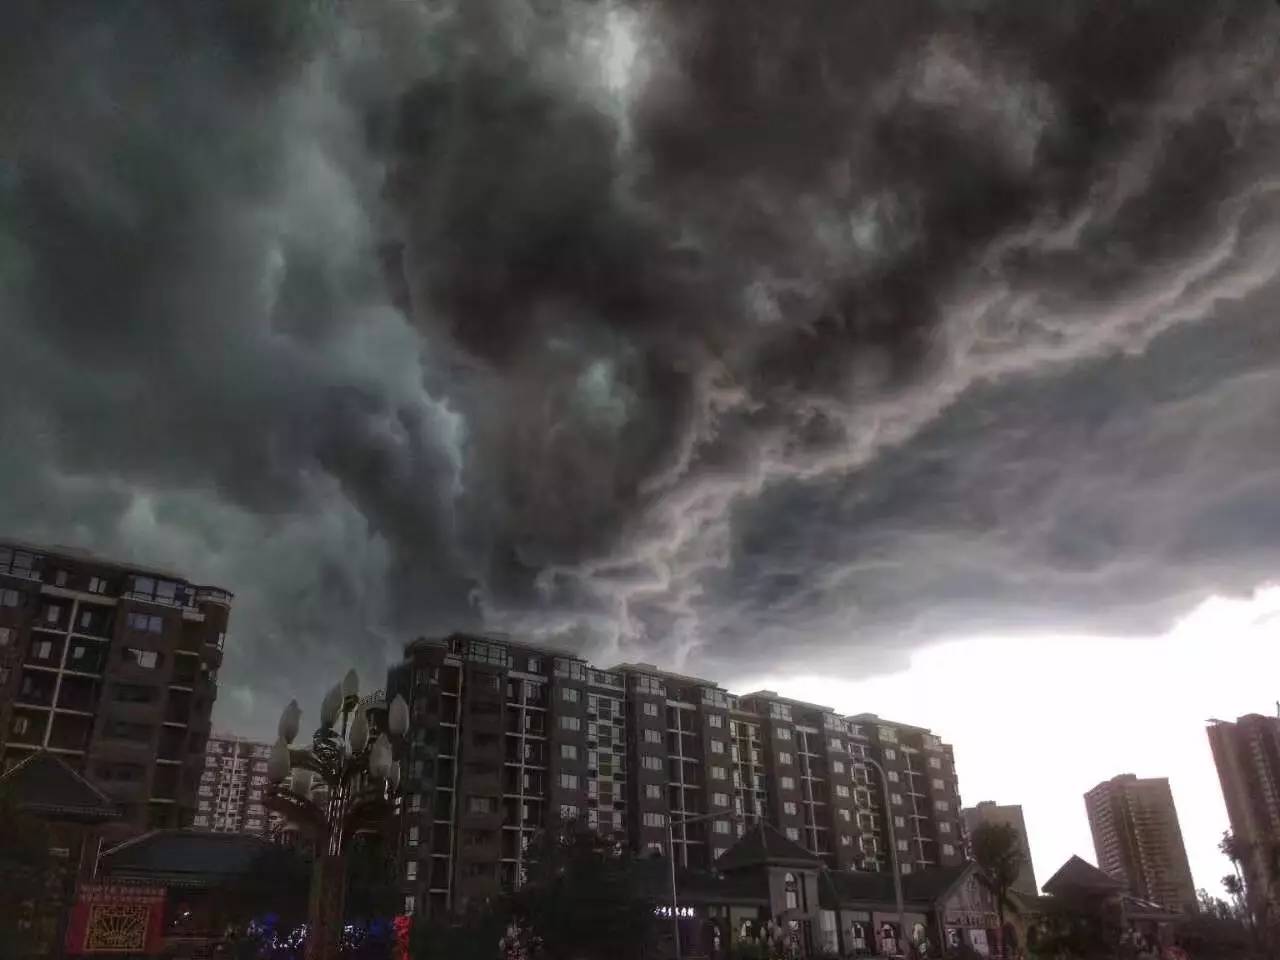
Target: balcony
[[79, 693], [27, 726], [70, 733], [36, 688]]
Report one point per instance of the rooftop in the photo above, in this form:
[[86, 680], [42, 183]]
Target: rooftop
[[43, 784]]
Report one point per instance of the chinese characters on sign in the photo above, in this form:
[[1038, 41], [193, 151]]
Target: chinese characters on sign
[[116, 918]]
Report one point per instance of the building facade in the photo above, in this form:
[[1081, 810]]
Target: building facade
[[990, 812], [113, 667], [229, 798], [1138, 840], [506, 738], [1247, 755]]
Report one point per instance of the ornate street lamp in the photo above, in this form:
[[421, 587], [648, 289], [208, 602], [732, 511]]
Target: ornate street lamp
[[342, 785]]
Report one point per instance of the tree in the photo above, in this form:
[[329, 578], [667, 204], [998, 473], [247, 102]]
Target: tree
[[24, 868], [998, 850], [584, 897]]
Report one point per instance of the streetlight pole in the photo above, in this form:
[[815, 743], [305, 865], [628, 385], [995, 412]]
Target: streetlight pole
[[671, 853], [893, 853], [359, 777]]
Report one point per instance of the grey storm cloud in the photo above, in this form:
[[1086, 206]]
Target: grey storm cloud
[[679, 331]]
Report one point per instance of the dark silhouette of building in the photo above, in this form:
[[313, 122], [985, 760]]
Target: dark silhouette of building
[[507, 738], [990, 812], [113, 667], [1247, 755]]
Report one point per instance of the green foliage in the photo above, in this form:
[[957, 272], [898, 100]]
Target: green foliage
[[584, 897], [998, 851], [371, 887], [472, 937], [1067, 933], [24, 866]]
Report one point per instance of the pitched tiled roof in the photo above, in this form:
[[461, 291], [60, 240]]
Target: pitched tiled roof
[[920, 887], [1078, 876], [185, 857], [44, 785], [762, 845]]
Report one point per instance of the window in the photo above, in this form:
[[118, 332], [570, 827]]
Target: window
[[888, 735], [895, 799], [569, 695], [534, 665], [652, 791], [125, 730], [904, 846], [21, 724], [4, 676], [97, 585], [569, 781], [655, 819], [783, 733], [893, 776], [789, 807], [44, 650], [133, 693], [845, 815], [415, 802], [935, 763], [482, 805], [793, 833], [146, 659], [715, 721], [651, 763], [780, 711], [652, 736], [941, 805], [145, 623], [944, 827], [568, 751], [570, 669], [409, 904], [846, 840], [719, 799], [722, 826], [948, 850], [9, 598], [6, 636], [835, 744], [718, 773], [650, 709], [787, 783], [784, 758], [837, 766], [717, 746], [791, 890], [52, 612], [570, 723], [411, 870], [842, 790], [906, 868]]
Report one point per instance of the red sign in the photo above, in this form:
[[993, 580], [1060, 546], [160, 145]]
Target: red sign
[[116, 918]]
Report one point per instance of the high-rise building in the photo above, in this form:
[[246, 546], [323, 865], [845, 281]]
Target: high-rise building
[[1247, 754], [229, 798], [990, 812], [506, 738], [113, 667], [1138, 840]]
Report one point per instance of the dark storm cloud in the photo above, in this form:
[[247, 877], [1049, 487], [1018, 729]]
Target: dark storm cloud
[[674, 330]]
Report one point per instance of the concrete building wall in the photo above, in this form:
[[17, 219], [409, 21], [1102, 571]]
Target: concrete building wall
[[113, 667], [1138, 840], [1247, 755], [229, 797], [989, 812]]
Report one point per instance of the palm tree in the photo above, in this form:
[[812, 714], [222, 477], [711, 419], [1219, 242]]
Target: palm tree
[[997, 849]]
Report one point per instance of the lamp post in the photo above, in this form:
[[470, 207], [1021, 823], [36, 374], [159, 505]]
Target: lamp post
[[350, 754], [893, 853], [671, 853]]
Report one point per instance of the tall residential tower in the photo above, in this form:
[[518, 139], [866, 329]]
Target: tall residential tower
[[990, 812], [112, 666], [1247, 754], [506, 738], [1138, 840]]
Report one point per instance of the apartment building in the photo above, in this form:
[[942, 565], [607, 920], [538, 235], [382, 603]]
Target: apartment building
[[229, 797], [506, 738], [1247, 755], [990, 812], [1138, 840], [113, 667]]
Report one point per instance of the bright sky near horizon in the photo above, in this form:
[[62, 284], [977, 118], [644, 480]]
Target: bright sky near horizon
[[1039, 723]]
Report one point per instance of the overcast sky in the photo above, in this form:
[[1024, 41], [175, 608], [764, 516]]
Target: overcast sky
[[701, 333]]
